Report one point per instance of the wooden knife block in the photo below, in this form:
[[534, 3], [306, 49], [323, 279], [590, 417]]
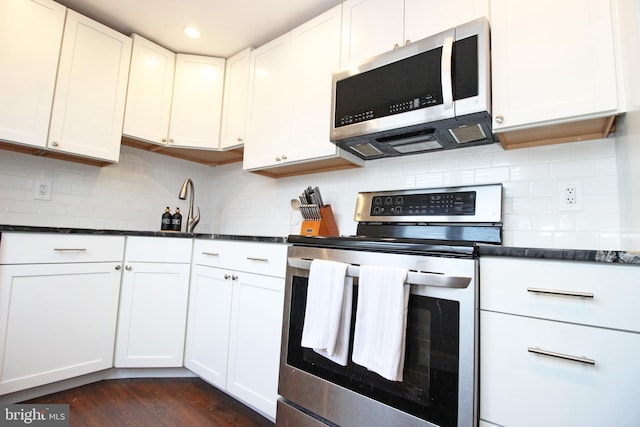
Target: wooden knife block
[[325, 227]]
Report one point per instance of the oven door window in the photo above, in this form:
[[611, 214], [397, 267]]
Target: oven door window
[[430, 387]]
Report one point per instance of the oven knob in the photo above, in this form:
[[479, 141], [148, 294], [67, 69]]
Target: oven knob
[[377, 201], [399, 200], [388, 201]]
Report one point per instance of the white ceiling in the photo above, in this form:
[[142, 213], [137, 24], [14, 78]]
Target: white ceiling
[[227, 26]]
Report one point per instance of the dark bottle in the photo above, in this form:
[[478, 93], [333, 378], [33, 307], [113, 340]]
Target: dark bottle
[[166, 220], [176, 220]]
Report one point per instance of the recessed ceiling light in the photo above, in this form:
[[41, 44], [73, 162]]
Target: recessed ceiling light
[[192, 32]]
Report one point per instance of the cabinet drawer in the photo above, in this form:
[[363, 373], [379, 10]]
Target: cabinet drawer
[[45, 248], [596, 294], [522, 388], [260, 258], [158, 249]]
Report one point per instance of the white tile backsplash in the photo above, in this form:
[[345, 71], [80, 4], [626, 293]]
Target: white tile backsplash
[[132, 194]]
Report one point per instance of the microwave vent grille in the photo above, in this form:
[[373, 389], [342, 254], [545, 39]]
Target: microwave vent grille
[[467, 133], [366, 150]]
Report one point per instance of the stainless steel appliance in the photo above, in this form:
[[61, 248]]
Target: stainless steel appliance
[[431, 94], [434, 234]]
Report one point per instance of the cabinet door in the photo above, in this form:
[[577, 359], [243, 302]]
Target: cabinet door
[[315, 56], [197, 102], [57, 321], [236, 95], [208, 324], [369, 28], [31, 34], [91, 88], [269, 122], [424, 18], [152, 317], [562, 71], [149, 92], [522, 388], [254, 352]]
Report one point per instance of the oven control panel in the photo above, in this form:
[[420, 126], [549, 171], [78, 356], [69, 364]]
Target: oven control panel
[[482, 203], [462, 203]]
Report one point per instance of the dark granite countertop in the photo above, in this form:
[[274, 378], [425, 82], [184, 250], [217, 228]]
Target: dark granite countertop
[[620, 257]]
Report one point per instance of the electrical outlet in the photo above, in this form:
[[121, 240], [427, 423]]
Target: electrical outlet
[[570, 195], [42, 189]]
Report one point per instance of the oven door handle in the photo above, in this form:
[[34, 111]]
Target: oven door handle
[[413, 277]]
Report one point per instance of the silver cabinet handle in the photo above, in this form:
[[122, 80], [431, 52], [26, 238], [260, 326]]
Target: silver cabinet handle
[[234, 277], [227, 276], [55, 144], [70, 249], [164, 139], [118, 267], [239, 139], [575, 294], [258, 259], [284, 157], [580, 359], [128, 268], [499, 119], [210, 253], [445, 66], [278, 159], [171, 141]]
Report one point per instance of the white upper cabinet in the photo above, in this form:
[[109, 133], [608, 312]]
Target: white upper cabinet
[[424, 18], [315, 57], [31, 34], [197, 101], [148, 108], [236, 94], [290, 101], [552, 62], [268, 130], [371, 27], [91, 88], [174, 99]]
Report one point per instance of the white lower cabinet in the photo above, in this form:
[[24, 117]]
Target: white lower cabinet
[[538, 372], [58, 307], [207, 344], [235, 318], [555, 348], [153, 303], [254, 347]]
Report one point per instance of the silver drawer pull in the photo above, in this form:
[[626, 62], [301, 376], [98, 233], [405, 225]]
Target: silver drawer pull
[[210, 253], [579, 359], [575, 294], [70, 249], [258, 259]]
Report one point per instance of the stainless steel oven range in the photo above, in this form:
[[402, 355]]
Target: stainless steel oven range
[[432, 233]]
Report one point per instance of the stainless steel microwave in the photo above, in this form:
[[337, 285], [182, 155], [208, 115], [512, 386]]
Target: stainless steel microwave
[[433, 94]]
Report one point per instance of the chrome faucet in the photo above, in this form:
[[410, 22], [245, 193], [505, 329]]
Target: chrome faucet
[[191, 220]]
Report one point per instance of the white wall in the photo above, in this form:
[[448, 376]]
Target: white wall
[[132, 195], [628, 127], [531, 177]]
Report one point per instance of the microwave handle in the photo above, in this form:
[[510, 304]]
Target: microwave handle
[[445, 69]]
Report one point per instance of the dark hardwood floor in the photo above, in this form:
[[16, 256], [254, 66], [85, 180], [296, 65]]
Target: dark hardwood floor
[[154, 402]]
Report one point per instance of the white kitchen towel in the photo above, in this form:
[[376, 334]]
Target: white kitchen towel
[[327, 319], [381, 320]]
